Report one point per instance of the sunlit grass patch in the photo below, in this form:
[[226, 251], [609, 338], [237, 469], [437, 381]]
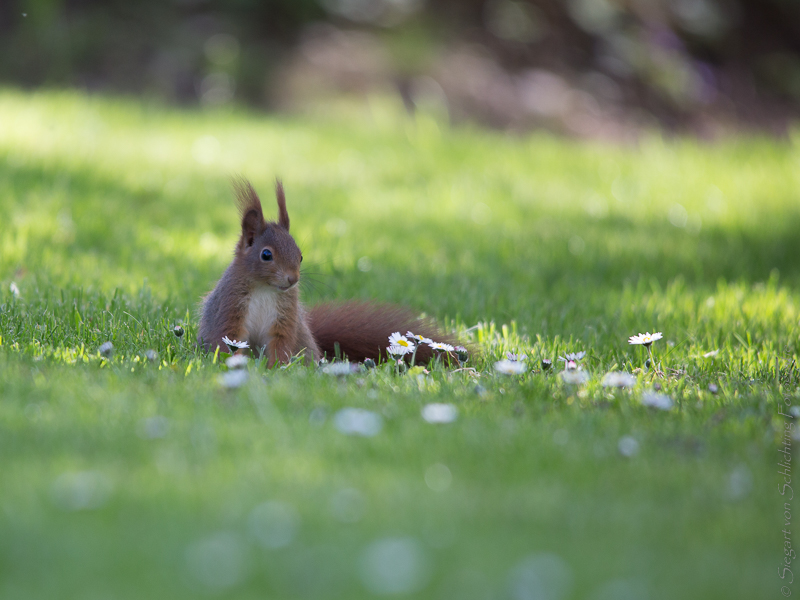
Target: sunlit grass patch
[[126, 450]]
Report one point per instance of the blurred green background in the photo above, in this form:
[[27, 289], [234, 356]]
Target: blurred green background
[[590, 68]]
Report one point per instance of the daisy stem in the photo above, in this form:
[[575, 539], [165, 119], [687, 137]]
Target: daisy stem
[[656, 370]]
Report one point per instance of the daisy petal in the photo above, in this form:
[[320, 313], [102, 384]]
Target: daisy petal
[[234, 344], [398, 350], [441, 346], [510, 367]]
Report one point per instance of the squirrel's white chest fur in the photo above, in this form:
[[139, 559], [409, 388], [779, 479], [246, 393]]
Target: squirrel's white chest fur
[[262, 311]]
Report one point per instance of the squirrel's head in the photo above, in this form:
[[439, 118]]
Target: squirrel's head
[[266, 250]]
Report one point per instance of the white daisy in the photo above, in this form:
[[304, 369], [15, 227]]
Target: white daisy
[[656, 400], [237, 361], [399, 350], [510, 367], [400, 340], [234, 344], [358, 421], [439, 413], [440, 346], [233, 379], [628, 446], [519, 357], [572, 356], [340, 369], [618, 379], [462, 354], [419, 339], [574, 376], [645, 339], [572, 359]]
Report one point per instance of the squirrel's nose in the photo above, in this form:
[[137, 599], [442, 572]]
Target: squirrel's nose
[[292, 279]]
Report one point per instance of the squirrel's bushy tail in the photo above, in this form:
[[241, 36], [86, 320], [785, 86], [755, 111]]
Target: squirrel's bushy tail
[[362, 329]]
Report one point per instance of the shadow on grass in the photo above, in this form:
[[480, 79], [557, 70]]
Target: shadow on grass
[[75, 228]]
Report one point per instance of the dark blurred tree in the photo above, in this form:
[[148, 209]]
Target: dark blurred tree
[[148, 45], [673, 59]]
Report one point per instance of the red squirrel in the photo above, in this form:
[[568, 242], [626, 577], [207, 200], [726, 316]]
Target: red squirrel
[[257, 301]]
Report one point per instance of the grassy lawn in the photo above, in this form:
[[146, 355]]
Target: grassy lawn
[[127, 477]]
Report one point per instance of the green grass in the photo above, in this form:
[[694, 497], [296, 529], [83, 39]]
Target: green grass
[[130, 478]]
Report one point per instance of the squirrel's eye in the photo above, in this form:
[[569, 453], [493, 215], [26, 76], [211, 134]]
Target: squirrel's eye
[[301, 258], [266, 255]]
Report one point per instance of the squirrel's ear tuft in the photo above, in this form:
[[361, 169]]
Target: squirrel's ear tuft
[[283, 216], [253, 223]]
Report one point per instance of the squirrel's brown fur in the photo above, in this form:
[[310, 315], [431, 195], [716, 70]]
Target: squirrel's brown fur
[[256, 300], [362, 329]]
